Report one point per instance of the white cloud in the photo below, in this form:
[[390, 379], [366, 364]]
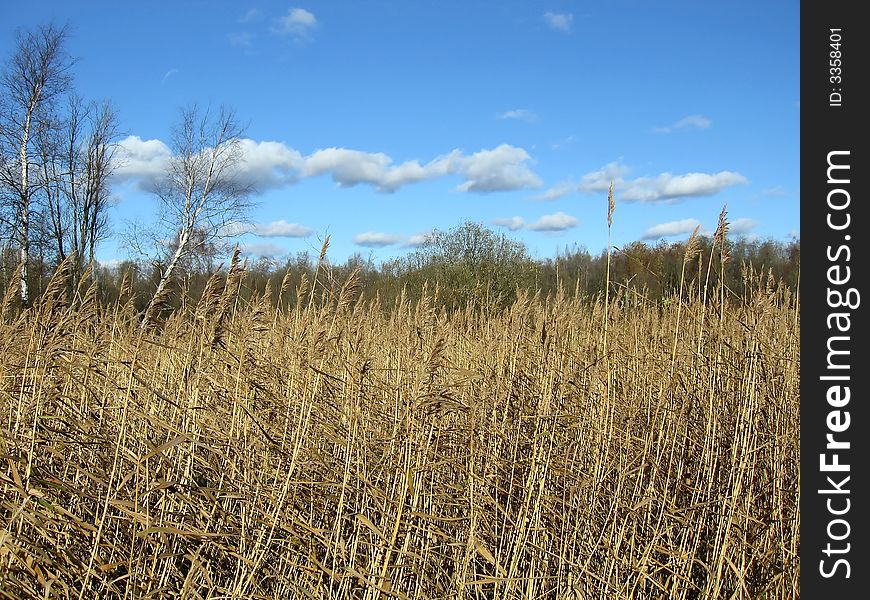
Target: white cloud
[[742, 226], [559, 190], [671, 228], [281, 228], [270, 165], [698, 121], [665, 187], [376, 239], [266, 250], [504, 168], [417, 240], [693, 121], [794, 234], [555, 222], [559, 21], [520, 114], [599, 181], [141, 159], [298, 23], [352, 167], [501, 169], [234, 228], [514, 223]]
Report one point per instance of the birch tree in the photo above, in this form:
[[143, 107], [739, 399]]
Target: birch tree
[[201, 194], [32, 79]]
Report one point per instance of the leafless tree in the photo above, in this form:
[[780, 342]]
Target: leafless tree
[[76, 161], [202, 193], [88, 163], [32, 79]]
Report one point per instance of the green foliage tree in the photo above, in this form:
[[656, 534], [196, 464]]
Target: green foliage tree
[[472, 263]]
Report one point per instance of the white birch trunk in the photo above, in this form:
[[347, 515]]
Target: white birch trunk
[[25, 209]]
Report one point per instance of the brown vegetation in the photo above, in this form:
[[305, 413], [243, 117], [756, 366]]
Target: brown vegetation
[[343, 449]]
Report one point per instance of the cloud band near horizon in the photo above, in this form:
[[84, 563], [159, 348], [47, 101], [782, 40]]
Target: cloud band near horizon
[[269, 165], [663, 188]]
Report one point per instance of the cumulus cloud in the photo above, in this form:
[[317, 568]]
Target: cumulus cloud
[[599, 181], [667, 187], [671, 228], [513, 223], [298, 23], [352, 167], [504, 168], [692, 121], [555, 222], [501, 169], [234, 228], [376, 239], [662, 188], [559, 190], [742, 226], [697, 121], [141, 159], [520, 114], [265, 250], [269, 165], [417, 240], [559, 21], [280, 228]]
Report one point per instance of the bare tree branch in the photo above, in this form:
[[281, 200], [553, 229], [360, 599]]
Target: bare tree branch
[[201, 193]]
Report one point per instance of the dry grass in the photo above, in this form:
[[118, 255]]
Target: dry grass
[[340, 450]]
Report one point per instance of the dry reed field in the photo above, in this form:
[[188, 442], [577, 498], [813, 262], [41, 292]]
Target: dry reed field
[[565, 447]]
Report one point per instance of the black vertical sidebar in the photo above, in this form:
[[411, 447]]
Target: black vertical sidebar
[[835, 232]]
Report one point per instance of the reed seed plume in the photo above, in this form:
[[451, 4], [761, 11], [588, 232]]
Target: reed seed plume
[[125, 291], [693, 246], [611, 205], [722, 227], [285, 282]]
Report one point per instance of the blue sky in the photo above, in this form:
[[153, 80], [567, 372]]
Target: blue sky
[[376, 122]]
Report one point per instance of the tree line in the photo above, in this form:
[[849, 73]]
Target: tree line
[[469, 265]]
